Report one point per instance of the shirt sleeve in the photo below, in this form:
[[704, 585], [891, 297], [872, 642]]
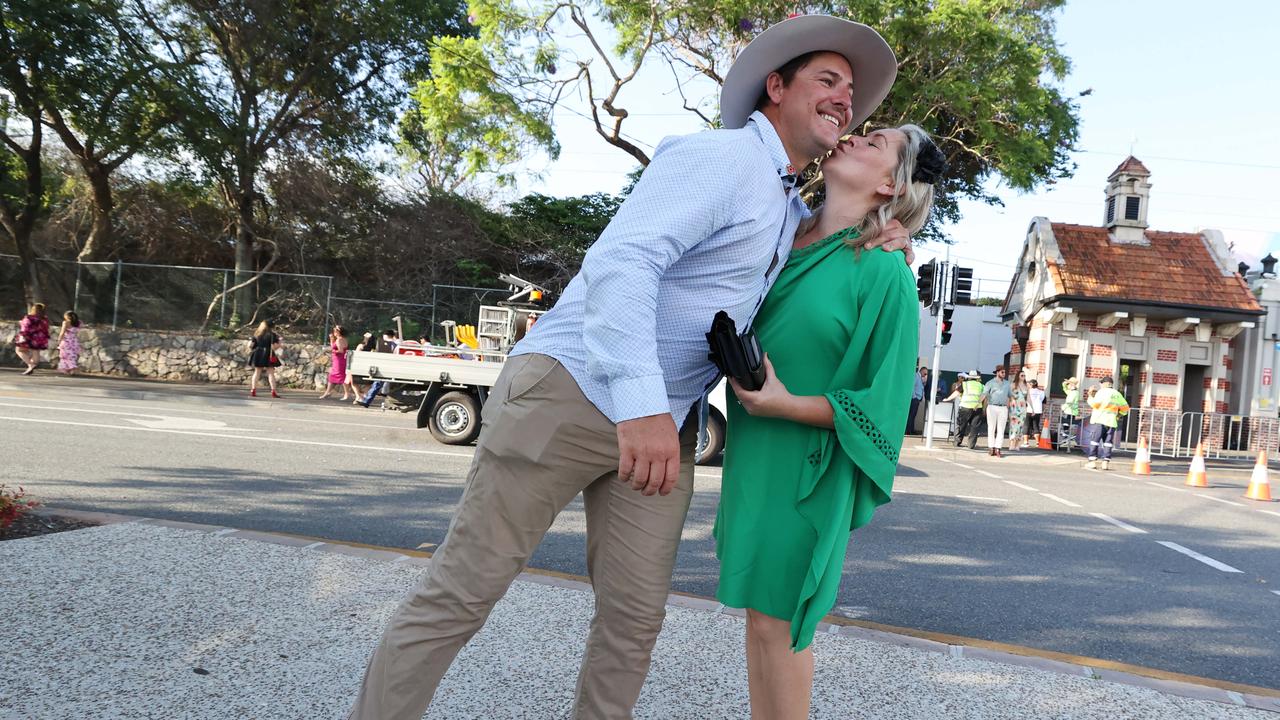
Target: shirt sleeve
[[684, 196]]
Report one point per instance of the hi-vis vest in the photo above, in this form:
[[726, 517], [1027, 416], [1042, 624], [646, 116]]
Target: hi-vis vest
[[1107, 404], [972, 397]]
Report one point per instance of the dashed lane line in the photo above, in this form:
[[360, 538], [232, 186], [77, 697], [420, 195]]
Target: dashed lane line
[[1165, 487], [1277, 592], [966, 467], [1218, 499], [990, 475], [1057, 499], [979, 497], [1020, 485], [1119, 523], [1197, 556], [1270, 512]]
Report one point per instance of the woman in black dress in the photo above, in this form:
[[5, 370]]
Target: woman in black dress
[[264, 350]]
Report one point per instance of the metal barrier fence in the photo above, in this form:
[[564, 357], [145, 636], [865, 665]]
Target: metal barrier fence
[[200, 299], [1177, 433]]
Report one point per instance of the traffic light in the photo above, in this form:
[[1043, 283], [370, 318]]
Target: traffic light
[[924, 285], [946, 324], [962, 288]]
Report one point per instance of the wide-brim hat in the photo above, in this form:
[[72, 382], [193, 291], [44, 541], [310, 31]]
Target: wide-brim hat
[[972, 374], [873, 62]]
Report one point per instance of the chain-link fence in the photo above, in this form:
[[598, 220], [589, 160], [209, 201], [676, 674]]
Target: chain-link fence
[[198, 299]]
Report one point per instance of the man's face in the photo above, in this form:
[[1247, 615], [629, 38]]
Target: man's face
[[1000, 373], [814, 109]]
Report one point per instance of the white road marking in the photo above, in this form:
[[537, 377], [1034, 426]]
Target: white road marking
[[285, 441], [312, 546], [942, 459], [169, 422], [990, 475], [1165, 487], [225, 531], [1197, 556], [979, 497], [1118, 523], [1020, 485], [1277, 592], [1126, 477], [1055, 498], [1236, 697], [1217, 499], [1270, 512], [966, 467]]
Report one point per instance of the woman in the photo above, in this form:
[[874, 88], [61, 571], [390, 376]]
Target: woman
[[1018, 402], [32, 338], [813, 452], [69, 343], [338, 362], [264, 351]]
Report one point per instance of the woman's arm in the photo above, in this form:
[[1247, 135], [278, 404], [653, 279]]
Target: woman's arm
[[774, 400]]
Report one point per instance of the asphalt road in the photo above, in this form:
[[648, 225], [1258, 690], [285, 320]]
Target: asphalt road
[[1029, 550]]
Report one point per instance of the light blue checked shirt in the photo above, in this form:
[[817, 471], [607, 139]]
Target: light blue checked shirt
[[708, 228]]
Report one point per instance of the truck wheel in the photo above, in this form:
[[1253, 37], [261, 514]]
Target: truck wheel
[[714, 440], [455, 419]]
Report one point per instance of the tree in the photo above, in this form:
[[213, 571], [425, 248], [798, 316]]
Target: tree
[[324, 73], [465, 123], [980, 75], [106, 106]]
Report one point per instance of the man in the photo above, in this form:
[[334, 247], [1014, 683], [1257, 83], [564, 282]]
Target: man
[[922, 376], [1035, 407], [589, 397], [995, 396], [967, 420], [1108, 404], [386, 344]]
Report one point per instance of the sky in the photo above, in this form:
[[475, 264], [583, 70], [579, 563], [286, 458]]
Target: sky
[[1192, 89]]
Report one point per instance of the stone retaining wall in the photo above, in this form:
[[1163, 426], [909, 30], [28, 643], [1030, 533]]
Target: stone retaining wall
[[176, 356]]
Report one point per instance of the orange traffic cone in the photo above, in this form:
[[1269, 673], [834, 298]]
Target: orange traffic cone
[[1043, 441], [1259, 484], [1142, 461], [1196, 475]]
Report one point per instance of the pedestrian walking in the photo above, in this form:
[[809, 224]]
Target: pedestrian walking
[[917, 394], [591, 401], [264, 356], [386, 344], [1108, 405], [69, 343], [338, 351], [970, 415], [32, 338], [995, 397], [840, 330], [1018, 397], [1035, 409]]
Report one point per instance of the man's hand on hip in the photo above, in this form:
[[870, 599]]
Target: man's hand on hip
[[649, 454], [892, 238]]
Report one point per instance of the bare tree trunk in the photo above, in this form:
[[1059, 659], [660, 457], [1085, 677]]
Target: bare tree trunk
[[100, 234], [20, 221], [243, 298]]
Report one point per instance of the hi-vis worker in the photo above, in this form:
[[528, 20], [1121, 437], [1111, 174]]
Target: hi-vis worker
[[970, 408], [1108, 405], [1068, 434]]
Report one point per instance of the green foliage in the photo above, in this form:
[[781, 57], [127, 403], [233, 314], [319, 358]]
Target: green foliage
[[465, 123], [989, 302]]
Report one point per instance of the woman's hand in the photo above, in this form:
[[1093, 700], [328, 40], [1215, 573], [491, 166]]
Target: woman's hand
[[771, 400]]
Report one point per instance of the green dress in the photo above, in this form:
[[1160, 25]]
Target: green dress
[[843, 324]]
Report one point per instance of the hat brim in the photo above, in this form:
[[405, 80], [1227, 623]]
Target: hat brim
[[873, 62]]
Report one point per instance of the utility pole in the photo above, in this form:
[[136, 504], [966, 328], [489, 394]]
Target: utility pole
[[941, 292]]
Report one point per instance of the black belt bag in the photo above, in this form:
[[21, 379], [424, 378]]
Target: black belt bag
[[737, 356]]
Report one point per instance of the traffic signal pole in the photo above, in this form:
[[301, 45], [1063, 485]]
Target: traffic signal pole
[[941, 281]]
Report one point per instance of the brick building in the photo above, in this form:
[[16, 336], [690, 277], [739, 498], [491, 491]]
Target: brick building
[[1158, 311]]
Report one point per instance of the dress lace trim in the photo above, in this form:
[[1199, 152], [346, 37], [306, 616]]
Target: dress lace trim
[[834, 237], [865, 424]]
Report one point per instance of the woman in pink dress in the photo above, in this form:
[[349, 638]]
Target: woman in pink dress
[[69, 343], [338, 363], [32, 338]]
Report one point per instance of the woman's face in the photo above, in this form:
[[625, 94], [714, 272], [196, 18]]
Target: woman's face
[[864, 164]]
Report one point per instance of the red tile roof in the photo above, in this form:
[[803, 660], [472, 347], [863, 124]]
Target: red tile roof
[[1131, 165], [1174, 269]]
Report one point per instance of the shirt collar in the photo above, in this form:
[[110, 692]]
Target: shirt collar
[[788, 174]]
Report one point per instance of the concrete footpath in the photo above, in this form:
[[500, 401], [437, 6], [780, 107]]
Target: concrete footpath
[[151, 619]]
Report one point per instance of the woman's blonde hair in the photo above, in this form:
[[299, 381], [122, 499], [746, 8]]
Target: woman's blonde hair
[[912, 200], [36, 309], [264, 327]]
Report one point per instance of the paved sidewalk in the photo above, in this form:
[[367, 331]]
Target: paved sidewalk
[[150, 619]]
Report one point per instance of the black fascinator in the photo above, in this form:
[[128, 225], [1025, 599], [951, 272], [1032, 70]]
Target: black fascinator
[[930, 164]]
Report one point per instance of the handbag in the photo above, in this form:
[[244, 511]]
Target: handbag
[[736, 356]]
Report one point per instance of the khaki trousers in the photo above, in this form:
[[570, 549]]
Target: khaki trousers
[[541, 444]]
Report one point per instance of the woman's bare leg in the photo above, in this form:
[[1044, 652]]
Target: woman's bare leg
[[782, 682], [253, 382], [271, 378]]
